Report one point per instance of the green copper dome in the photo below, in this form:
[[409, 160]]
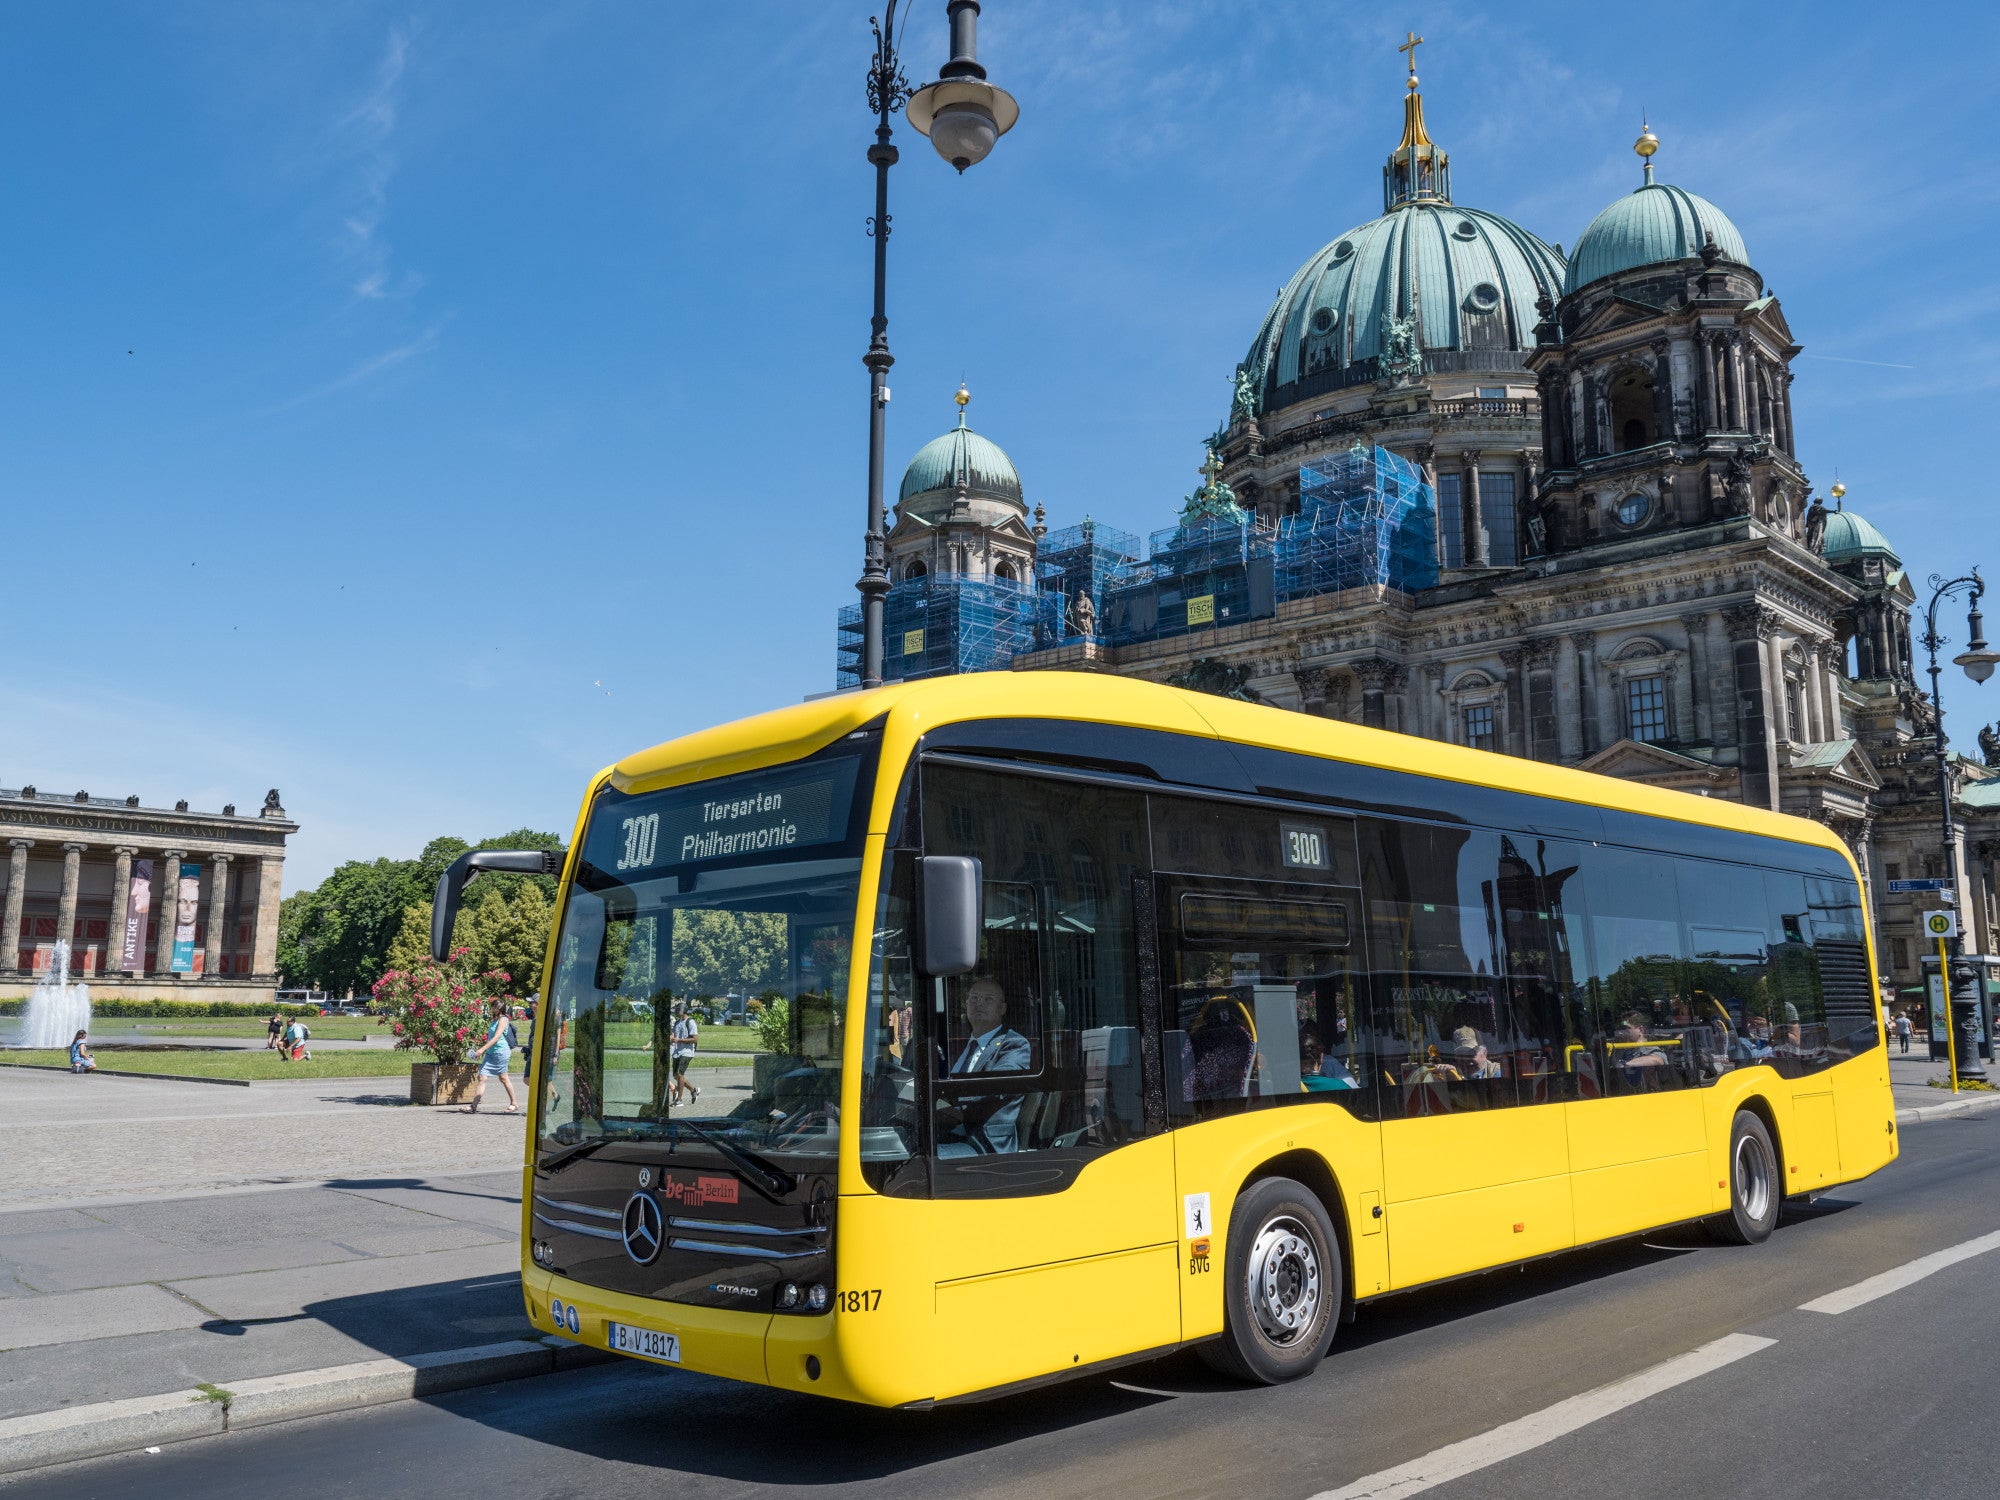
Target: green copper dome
[[1656, 224], [1468, 278], [1849, 538], [961, 458]]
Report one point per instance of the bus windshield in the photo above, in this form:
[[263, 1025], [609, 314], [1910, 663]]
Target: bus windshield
[[726, 900]]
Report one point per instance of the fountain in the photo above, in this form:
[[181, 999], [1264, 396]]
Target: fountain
[[57, 1009]]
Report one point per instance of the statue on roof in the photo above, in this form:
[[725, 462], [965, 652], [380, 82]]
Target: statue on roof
[[1211, 674], [1083, 616], [1246, 402], [1402, 360], [1816, 530], [1214, 500], [1989, 745]]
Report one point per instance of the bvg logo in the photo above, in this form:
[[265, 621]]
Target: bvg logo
[[701, 1191]]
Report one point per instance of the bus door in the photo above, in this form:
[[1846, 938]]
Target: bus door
[[1467, 951], [1053, 1200]]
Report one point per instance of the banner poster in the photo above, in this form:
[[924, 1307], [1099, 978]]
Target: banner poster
[[138, 906], [186, 900]]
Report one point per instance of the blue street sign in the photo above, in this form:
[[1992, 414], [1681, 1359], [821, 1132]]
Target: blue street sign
[[1933, 884]]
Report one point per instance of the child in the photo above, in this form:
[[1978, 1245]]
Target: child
[[80, 1060]]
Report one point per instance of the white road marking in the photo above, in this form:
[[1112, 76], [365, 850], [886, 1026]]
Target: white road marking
[[1456, 1460], [1864, 1292]]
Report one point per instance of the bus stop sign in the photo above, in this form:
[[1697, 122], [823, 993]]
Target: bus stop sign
[[1941, 924]]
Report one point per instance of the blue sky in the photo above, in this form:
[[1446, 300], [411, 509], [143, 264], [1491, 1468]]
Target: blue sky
[[416, 407]]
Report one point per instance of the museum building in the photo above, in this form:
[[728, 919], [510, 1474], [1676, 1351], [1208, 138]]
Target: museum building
[[1477, 488], [151, 903]]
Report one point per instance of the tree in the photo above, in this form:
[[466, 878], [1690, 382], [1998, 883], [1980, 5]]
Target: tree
[[716, 952], [507, 935]]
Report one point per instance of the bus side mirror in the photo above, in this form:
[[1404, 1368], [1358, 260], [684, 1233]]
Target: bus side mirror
[[951, 915], [451, 884]]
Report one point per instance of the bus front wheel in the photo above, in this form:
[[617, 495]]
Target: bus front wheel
[[1753, 1185], [1281, 1285]]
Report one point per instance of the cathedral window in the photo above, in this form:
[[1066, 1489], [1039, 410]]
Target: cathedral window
[[1497, 510], [1451, 522], [1479, 726], [1632, 409], [917, 568], [1631, 511], [1794, 721], [1646, 709], [1899, 953]]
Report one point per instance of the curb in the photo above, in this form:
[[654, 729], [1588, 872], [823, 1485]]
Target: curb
[[1977, 1104], [237, 1083], [109, 1427]]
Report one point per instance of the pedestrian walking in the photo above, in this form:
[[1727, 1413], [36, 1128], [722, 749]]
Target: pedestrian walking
[[80, 1060], [273, 1029], [687, 1037], [493, 1055], [1903, 1030]]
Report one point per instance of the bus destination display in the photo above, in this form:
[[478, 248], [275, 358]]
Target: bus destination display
[[764, 813]]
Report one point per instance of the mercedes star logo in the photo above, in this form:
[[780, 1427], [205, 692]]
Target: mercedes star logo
[[642, 1228]]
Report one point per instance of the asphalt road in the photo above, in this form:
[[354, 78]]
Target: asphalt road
[[1515, 1384]]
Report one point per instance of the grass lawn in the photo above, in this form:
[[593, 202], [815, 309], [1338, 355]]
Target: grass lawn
[[716, 1038], [250, 1065], [333, 1028]]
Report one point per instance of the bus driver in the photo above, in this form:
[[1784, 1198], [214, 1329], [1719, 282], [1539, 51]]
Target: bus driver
[[990, 1123]]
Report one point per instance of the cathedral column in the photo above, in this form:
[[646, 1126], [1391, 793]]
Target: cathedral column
[[121, 896], [17, 892], [1705, 381], [1374, 675], [1475, 520], [1541, 693], [1751, 628], [1774, 666], [1312, 689], [1738, 389], [1569, 701], [1699, 688], [1590, 733], [1435, 720], [1663, 391], [66, 903], [1514, 658], [166, 896], [218, 915], [1785, 410], [1826, 655]]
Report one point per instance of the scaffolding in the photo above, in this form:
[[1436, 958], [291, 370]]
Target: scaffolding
[[1366, 518], [942, 624], [1196, 576], [1080, 562]]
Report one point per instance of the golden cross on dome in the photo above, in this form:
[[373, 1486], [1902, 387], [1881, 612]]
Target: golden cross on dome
[[1410, 47], [1211, 467]]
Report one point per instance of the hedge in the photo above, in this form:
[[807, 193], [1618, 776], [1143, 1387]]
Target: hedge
[[160, 1009]]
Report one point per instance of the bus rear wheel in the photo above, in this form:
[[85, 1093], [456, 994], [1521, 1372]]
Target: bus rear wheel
[[1281, 1288], [1753, 1185]]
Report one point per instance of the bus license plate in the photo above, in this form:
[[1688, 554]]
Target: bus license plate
[[647, 1343]]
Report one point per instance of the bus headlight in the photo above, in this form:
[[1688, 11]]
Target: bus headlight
[[788, 1294], [817, 1299]]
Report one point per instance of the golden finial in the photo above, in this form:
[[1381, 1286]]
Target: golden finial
[[1410, 46], [1838, 490], [963, 396], [1646, 145]]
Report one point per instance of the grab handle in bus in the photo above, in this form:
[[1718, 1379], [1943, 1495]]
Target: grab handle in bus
[[451, 884], [951, 914]]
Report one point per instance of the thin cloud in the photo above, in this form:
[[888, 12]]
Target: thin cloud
[[367, 133], [368, 369]]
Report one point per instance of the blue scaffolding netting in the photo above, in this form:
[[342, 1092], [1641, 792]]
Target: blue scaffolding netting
[[1366, 518]]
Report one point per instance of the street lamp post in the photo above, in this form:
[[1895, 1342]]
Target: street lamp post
[[1978, 662], [963, 115]]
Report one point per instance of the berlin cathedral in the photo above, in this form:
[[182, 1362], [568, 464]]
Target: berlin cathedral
[[1606, 550]]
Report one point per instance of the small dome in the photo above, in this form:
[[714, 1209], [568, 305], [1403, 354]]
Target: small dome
[[1849, 538], [1469, 277], [1656, 224], [961, 457]]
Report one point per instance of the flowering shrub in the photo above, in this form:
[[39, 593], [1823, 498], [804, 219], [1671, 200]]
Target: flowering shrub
[[441, 1008]]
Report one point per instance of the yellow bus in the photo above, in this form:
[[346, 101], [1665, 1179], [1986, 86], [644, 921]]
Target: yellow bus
[[1112, 1019]]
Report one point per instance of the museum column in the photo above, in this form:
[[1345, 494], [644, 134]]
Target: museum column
[[121, 896], [270, 886], [218, 915], [17, 892], [166, 895], [66, 904]]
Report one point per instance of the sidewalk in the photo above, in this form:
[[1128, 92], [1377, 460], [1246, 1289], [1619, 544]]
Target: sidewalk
[[158, 1235], [1909, 1082]]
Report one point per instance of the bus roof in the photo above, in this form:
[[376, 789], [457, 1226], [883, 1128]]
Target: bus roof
[[909, 709]]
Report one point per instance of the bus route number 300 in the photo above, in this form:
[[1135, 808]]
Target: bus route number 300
[[1305, 846], [642, 841]]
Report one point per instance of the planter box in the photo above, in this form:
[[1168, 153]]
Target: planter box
[[443, 1083]]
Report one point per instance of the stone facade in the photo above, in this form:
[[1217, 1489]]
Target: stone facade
[[68, 879]]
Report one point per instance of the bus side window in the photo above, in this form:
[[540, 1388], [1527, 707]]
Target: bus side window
[[1638, 1026], [1036, 1051]]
